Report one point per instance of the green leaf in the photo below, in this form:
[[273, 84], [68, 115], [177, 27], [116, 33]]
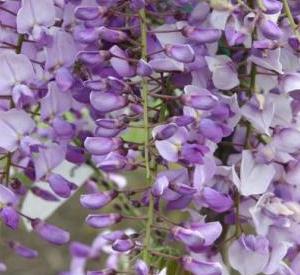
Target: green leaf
[[134, 135]]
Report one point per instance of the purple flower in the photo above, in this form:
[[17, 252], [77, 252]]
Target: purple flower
[[197, 267], [169, 148], [255, 178], [50, 233], [270, 30], [216, 201], [181, 53], [201, 35], [3, 267], [166, 64], [80, 250], [97, 200], [112, 36], [120, 65], [14, 125], [123, 245], [107, 102], [141, 268], [22, 250], [89, 12], [60, 185], [102, 220], [33, 15], [199, 235], [271, 6], [249, 254], [143, 68], [101, 145], [199, 98], [10, 217], [224, 75], [55, 102]]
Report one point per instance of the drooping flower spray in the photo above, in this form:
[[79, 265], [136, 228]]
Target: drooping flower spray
[[175, 123]]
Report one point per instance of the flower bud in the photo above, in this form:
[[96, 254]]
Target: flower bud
[[159, 186], [43, 194], [202, 35], [97, 200], [294, 43], [183, 120], [180, 52], [75, 154], [109, 123], [107, 133], [3, 267], [103, 220], [201, 102], [22, 250], [96, 85], [271, 6], [143, 68], [216, 200], [60, 185], [80, 250], [101, 145], [270, 30], [10, 217], [141, 268], [194, 266], [107, 102], [93, 57], [166, 132], [112, 36], [89, 12], [50, 233], [191, 238], [123, 245], [183, 188], [85, 34]]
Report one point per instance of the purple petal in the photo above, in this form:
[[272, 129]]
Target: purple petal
[[182, 53], [249, 255], [10, 217], [89, 12], [50, 233], [22, 250], [197, 267], [107, 102], [102, 220], [34, 13], [202, 35], [14, 124], [123, 245], [97, 200], [60, 185], [216, 200], [141, 268], [101, 145]]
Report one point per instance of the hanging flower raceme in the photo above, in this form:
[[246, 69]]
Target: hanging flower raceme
[[173, 125]]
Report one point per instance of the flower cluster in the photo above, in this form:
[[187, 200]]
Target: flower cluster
[[199, 99]]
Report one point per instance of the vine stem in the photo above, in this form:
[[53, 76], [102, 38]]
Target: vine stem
[[290, 18], [145, 90]]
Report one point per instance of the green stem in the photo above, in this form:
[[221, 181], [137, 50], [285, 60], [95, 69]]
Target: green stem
[[7, 168], [290, 18], [145, 91]]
